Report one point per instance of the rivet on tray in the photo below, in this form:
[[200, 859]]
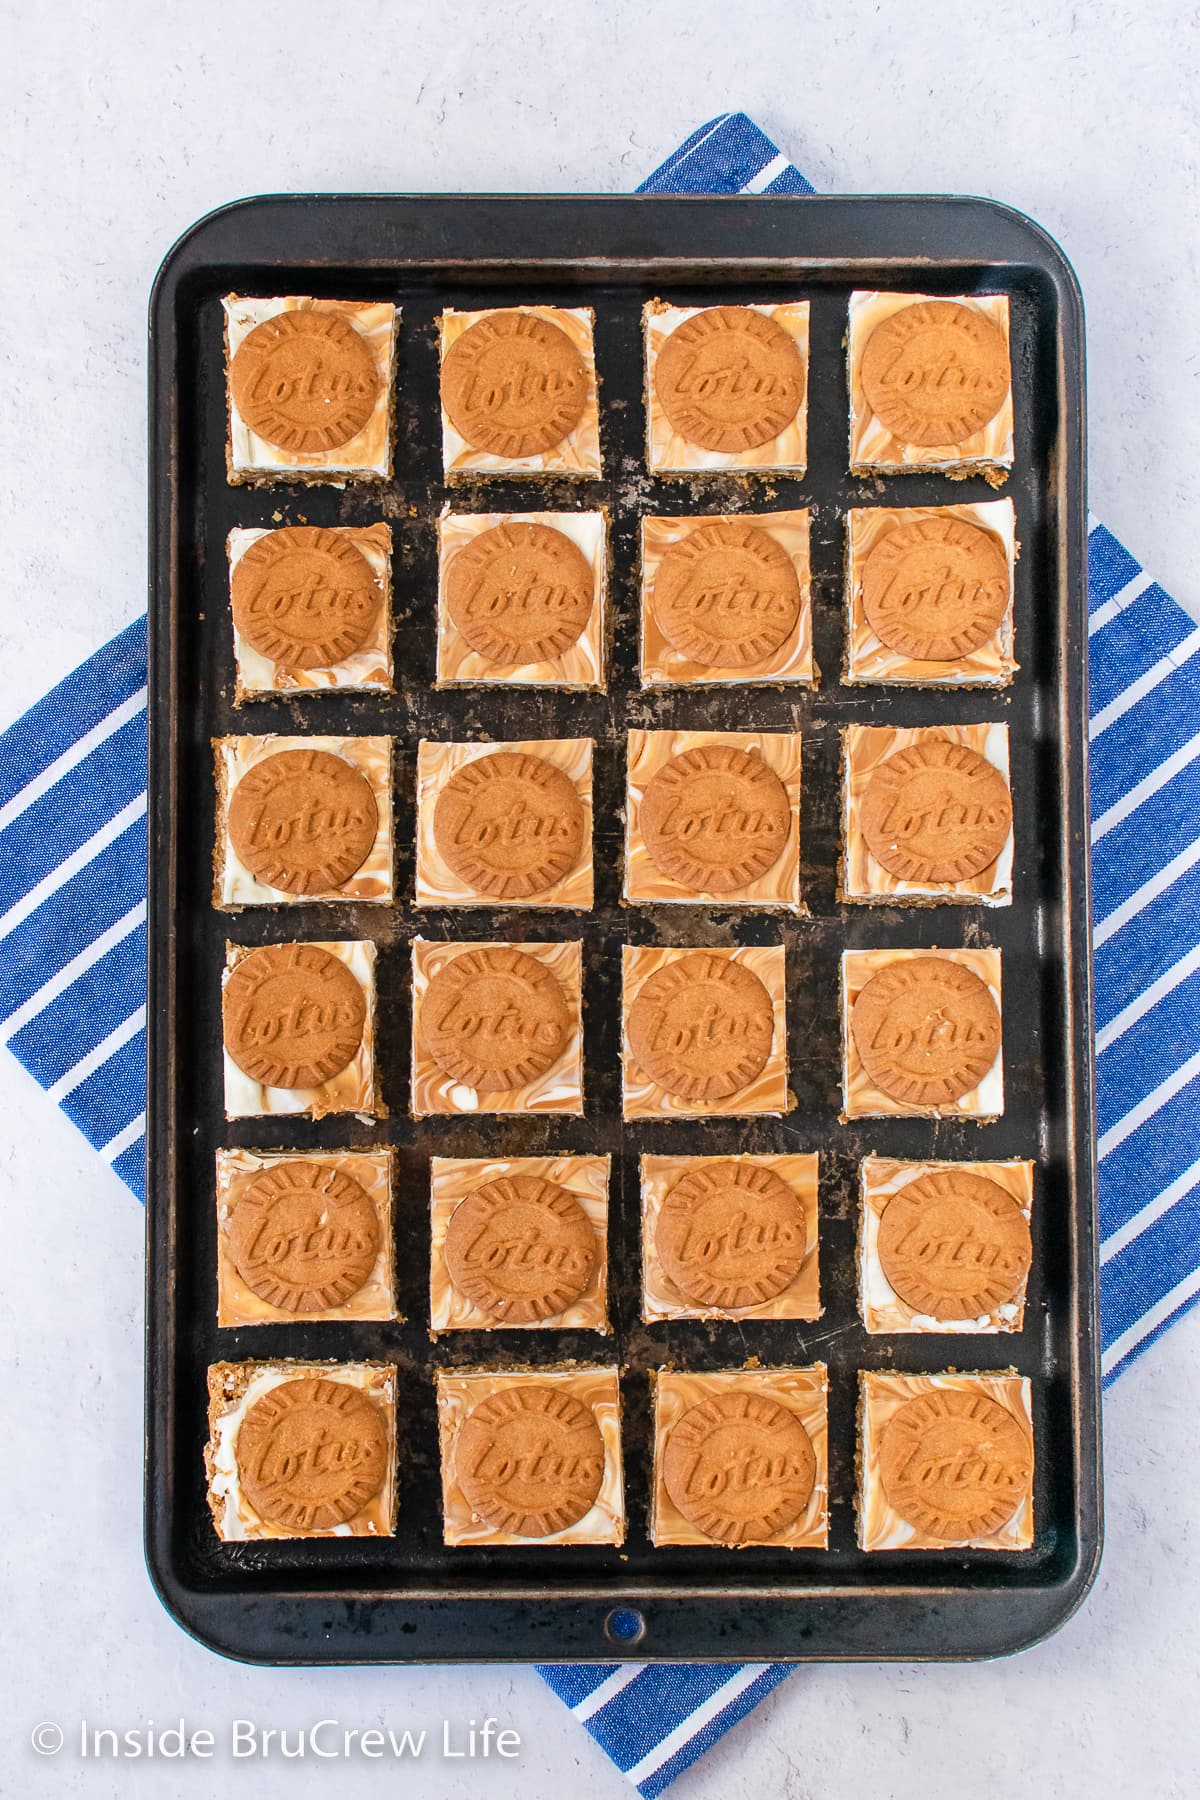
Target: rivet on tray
[[625, 1626]]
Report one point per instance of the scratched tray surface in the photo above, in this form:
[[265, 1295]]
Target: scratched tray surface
[[411, 1597]]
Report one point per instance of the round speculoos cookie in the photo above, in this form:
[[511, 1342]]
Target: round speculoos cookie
[[726, 595], [954, 1245], [514, 385], [494, 1019], [530, 1460], [305, 381], [520, 1249], [303, 821], [730, 1235], [311, 1453], [936, 812], [955, 1465], [520, 593], [740, 1467], [936, 372], [715, 818], [304, 1237], [304, 597], [729, 379], [936, 590], [702, 1026], [293, 1015], [926, 1029], [509, 825]]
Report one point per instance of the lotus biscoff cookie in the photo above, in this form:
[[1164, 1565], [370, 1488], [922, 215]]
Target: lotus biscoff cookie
[[726, 600], [299, 1029], [703, 1032], [929, 595], [713, 818], [301, 819], [497, 1028], [926, 1030], [726, 387], [930, 385], [741, 1458], [927, 815], [530, 1460], [519, 392], [518, 1241], [301, 1450], [304, 1235], [701, 1027], [945, 1462], [521, 1249], [521, 599], [944, 1246], [311, 608], [922, 1034], [531, 1456], [732, 1237], [310, 389], [505, 824], [493, 1018]]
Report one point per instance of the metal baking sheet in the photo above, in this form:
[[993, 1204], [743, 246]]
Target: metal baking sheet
[[410, 1598]]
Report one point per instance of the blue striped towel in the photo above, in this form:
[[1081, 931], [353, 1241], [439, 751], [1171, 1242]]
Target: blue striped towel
[[73, 990]]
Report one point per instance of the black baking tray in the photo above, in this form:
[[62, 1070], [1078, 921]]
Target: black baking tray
[[410, 1599]]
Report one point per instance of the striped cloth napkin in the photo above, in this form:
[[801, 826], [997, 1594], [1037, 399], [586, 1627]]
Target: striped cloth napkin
[[73, 988]]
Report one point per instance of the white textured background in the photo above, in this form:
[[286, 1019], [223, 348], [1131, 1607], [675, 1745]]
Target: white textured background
[[120, 123]]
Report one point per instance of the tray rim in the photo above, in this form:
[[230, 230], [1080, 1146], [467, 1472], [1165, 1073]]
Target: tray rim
[[464, 1627]]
